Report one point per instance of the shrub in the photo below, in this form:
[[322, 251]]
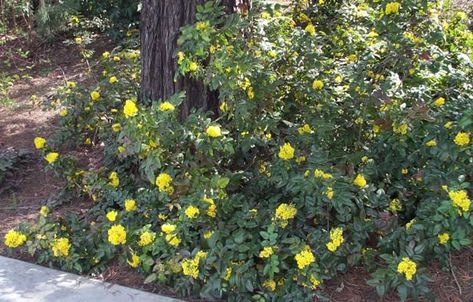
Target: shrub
[[343, 139]]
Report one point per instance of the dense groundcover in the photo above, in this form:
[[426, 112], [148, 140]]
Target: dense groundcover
[[343, 138]]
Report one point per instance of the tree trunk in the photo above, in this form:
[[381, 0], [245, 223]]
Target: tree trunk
[[160, 24]]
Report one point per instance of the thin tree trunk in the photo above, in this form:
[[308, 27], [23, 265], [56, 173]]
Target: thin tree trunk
[[161, 21]]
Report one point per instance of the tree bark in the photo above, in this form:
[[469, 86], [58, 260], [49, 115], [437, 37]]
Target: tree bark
[[161, 21]]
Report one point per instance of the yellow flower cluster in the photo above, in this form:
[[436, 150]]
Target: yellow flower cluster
[[329, 192], [407, 267], [269, 284], [317, 85], [168, 228], [310, 29], [304, 258], [462, 138], [212, 209], [401, 129], [112, 216], [395, 205], [61, 247], [135, 260], [14, 239], [304, 129], [431, 143], [192, 212], [130, 205], [39, 142], [166, 106], [285, 212], [443, 238], [286, 152], [460, 200], [439, 102], [360, 181], [392, 8], [266, 252], [163, 181], [214, 131], [114, 181], [336, 239], [146, 238], [95, 95], [190, 267], [51, 157], [321, 174], [130, 109], [117, 234]]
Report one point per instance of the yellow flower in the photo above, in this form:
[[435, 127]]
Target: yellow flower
[[329, 193], [166, 106], [135, 261], [113, 80], [112, 216], [251, 93], [431, 143], [304, 129], [105, 54], [300, 159], [70, 84], [163, 182], [74, 20], [168, 228], [78, 40], [360, 181], [336, 239], [376, 129], [460, 200], [44, 211], [116, 59], [310, 29], [404, 171], [173, 240], [95, 95], [314, 281], [410, 223], [443, 238], [130, 109], [192, 212], [51, 157], [39, 142], [392, 8], [270, 284], [401, 129], [14, 239], [462, 138], [224, 107], [193, 66], [146, 238], [395, 205], [190, 267], [117, 234], [286, 151], [63, 113], [304, 258], [61, 247], [130, 205], [116, 127], [317, 85], [407, 267], [439, 102], [285, 212], [114, 181], [448, 125], [266, 252], [212, 209], [208, 234], [214, 131]]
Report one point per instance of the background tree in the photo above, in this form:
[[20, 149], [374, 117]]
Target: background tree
[[161, 21]]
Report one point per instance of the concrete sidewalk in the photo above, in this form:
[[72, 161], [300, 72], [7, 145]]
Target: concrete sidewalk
[[25, 282]]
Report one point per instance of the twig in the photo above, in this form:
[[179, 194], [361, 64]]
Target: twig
[[453, 273]]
